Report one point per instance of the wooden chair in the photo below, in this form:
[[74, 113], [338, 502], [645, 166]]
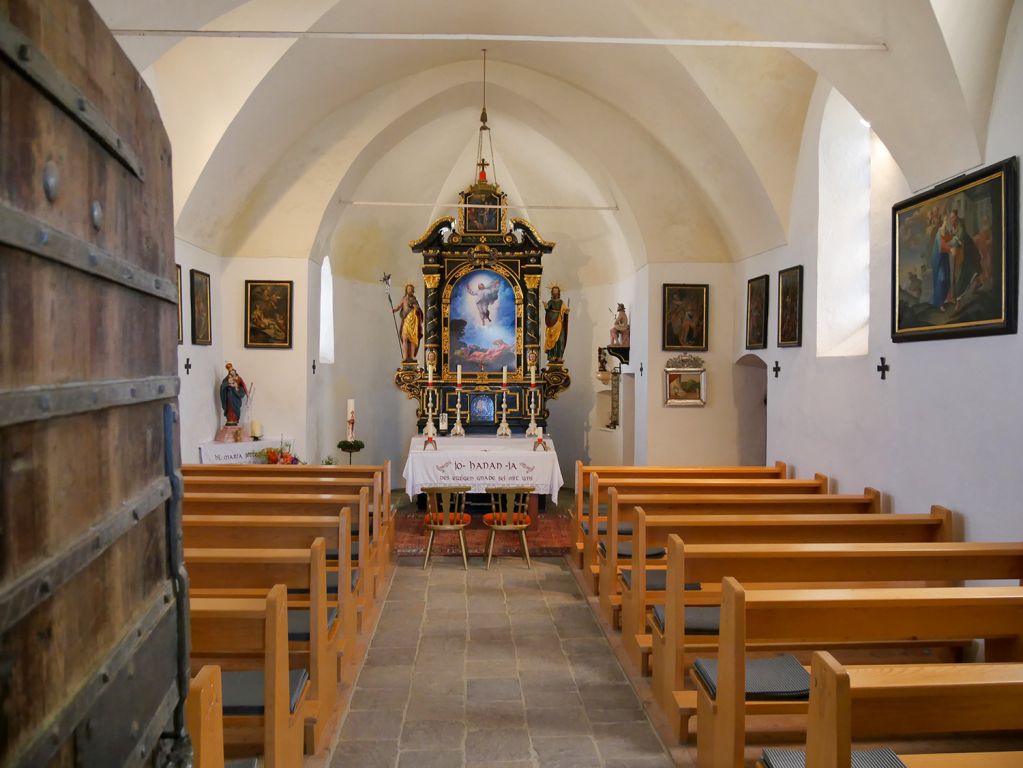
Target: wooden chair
[[445, 511], [508, 512]]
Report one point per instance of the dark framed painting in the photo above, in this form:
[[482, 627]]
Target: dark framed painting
[[482, 408], [202, 320], [479, 219], [955, 255], [268, 313], [756, 312], [684, 321], [790, 307], [181, 333]]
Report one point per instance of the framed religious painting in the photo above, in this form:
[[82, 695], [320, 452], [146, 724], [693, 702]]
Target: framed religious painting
[[268, 314], [181, 334], [684, 322], [756, 312], [482, 408], [790, 307], [685, 381], [202, 321], [955, 253]]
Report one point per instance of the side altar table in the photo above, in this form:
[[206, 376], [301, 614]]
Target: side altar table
[[482, 462]]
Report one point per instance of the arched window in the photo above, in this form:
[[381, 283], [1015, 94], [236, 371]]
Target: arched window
[[326, 312], [843, 231]]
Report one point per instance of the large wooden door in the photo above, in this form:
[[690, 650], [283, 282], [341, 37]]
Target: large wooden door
[[93, 601]]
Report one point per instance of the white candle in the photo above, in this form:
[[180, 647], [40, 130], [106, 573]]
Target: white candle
[[532, 376], [458, 375], [539, 433], [256, 428], [429, 373], [504, 376]]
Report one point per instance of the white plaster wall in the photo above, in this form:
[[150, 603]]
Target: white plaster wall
[[947, 425], [687, 436], [280, 376], [198, 402]]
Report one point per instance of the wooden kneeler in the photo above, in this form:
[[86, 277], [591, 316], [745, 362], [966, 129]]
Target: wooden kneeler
[[252, 634]]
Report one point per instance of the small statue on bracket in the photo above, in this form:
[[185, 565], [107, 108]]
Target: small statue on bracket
[[620, 328], [556, 326], [411, 333]]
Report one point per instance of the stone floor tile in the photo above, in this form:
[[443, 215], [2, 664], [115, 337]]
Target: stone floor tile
[[395, 639], [433, 735], [557, 721], [386, 677], [476, 669], [628, 741], [494, 744], [493, 689], [495, 714], [447, 683], [365, 754], [434, 706], [372, 725], [589, 670], [379, 698], [566, 752], [451, 643], [390, 657], [431, 759]]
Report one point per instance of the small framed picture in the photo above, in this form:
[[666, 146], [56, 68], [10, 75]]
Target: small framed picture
[[482, 409], [202, 322], [685, 386], [790, 307], [181, 333], [756, 312], [268, 309], [684, 319]]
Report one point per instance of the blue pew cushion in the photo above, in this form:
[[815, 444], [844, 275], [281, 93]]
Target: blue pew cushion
[[332, 554], [794, 758], [624, 529], [331, 584], [778, 678], [625, 551], [656, 581], [243, 690], [700, 619], [298, 623]]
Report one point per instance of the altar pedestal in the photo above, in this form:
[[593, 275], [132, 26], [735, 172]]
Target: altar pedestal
[[243, 452]]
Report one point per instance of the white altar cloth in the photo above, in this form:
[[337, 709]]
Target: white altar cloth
[[235, 453], [483, 462]]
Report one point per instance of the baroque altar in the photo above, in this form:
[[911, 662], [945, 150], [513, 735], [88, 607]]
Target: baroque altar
[[485, 326]]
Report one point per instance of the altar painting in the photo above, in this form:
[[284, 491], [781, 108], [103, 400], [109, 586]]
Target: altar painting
[[482, 323]]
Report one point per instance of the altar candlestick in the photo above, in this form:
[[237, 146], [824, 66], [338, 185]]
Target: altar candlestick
[[504, 376], [429, 373], [458, 374]]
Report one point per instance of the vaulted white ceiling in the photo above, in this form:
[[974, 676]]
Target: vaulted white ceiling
[[693, 148]]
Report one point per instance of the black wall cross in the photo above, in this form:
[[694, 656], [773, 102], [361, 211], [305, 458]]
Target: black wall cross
[[314, 367], [776, 369], [883, 369], [188, 366]]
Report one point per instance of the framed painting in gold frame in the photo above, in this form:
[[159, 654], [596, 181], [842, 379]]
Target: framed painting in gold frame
[[790, 307], [202, 322], [268, 314], [756, 312], [684, 321]]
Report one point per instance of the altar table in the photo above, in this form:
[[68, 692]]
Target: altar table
[[483, 462]]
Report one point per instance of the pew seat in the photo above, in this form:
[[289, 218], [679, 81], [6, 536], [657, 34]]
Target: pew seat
[[243, 690], [700, 619], [625, 551]]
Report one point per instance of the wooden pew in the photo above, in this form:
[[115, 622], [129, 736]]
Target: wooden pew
[[253, 572], [880, 700], [315, 485], [226, 631], [261, 532], [601, 484], [308, 470], [816, 619], [280, 505], [831, 565], [622, 509], [204, 717], [583, 472], [794, 529]]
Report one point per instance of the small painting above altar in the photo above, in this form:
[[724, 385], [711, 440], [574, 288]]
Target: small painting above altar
[[482, 409], [483, 323]]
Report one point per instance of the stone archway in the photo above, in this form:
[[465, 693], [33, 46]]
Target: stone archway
[[749, 390]]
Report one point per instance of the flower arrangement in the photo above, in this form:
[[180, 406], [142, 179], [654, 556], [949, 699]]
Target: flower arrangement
[[350, 447], [280, 455]]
